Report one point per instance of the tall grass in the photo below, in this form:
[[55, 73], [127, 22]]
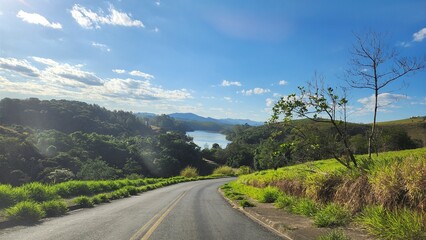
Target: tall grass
[[10, 196], [25, 212], [189, 172], [398, 224]]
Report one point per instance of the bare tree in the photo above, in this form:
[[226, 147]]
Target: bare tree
[[374, 66]]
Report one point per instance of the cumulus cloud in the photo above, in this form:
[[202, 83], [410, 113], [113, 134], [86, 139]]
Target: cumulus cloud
[[35, 18], [256, 91], [88, 19], [56, 79], [282, 82], [22, 67], [386, 102], [119, 71], [101, 46], [420, 35], [226, 83], [141, 74]]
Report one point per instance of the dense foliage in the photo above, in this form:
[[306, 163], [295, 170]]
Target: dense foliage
[[55, 146]]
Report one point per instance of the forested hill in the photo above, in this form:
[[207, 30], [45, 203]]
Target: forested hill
[[70, 116]]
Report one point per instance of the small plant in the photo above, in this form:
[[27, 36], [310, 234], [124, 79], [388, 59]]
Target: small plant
[[25, 211], [243, 170], [54, 208], [84, 202], [132, 190], [332, 216], [285, 202], [305, 207], [400, 224], [96, 199], [189, 172], [245, 203], [38, 192], [10, 196], [269, 195], [334, 235], [224, 170]]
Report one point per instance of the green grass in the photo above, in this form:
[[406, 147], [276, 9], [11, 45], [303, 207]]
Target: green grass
[[246, 203], [189, 172], [224, 170], [54, 208], [399, 224], [84, 202], [395, 180], [332, 215], [25, 212]]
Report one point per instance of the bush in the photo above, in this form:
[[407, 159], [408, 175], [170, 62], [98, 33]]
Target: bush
[[189, 172], [305, 207], [224, 170], [332, 216], [285, 202], [269, 195], [334, 235], [54, 208], [243, 170], [400, 224], [10, 196], [39, 192], [25, 211], [84, 202], [96, 199], [132, 190], [103, 197]]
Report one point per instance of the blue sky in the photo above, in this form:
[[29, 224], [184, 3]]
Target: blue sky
[[214, 58]]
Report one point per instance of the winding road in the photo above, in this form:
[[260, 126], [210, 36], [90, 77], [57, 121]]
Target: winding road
[[192, 210]]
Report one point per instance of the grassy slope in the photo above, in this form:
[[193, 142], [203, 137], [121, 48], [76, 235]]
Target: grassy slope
[[388, 199]]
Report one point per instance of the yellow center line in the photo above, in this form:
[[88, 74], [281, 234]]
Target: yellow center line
[[165, 211]]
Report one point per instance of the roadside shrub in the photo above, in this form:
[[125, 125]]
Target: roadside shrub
[[399, 224], [285, 202], [83, 201], [243, 170], [322, 187], [334, 235], [189, 172], [54, 208], [103, 197], [413, 172], [10, 196], [96, 199], [305, 207], [25, 211], [332, 216], [224, 170], [269, 195], [132, 190], [245, 203], [388, 185], [39, 192]]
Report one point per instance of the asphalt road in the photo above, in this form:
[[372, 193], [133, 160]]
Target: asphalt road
[[192, 210]]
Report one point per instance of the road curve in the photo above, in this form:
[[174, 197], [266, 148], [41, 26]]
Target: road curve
[[192, 210]]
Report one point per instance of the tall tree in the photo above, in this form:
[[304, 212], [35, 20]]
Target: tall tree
[[374, 66]]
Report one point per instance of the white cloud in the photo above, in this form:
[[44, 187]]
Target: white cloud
[[282, 82], [404, 44], [22, 67], [141, 74], [101, 46], [420, 35], [156, 29], [35, 18], [63, 80], [157, 3], [88, 19], [270, 102], [256, 91], [1, 13], [119, 71], [45, 61], [386, 101], [226, 83], [229, 99]]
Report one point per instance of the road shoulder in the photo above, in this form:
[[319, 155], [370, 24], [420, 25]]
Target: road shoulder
[[289, 226]]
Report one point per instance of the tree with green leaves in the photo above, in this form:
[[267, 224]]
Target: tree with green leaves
[[319, 104]]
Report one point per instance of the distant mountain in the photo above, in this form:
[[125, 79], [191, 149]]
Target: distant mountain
[[196, 118]]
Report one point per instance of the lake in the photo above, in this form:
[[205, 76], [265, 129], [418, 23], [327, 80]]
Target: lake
[[203, 138]]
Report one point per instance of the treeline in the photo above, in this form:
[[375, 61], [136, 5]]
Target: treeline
[[275, 145], [54, 141], [70, 116]]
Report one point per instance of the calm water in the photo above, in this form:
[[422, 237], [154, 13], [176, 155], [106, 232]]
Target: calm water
[[203, 138]]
